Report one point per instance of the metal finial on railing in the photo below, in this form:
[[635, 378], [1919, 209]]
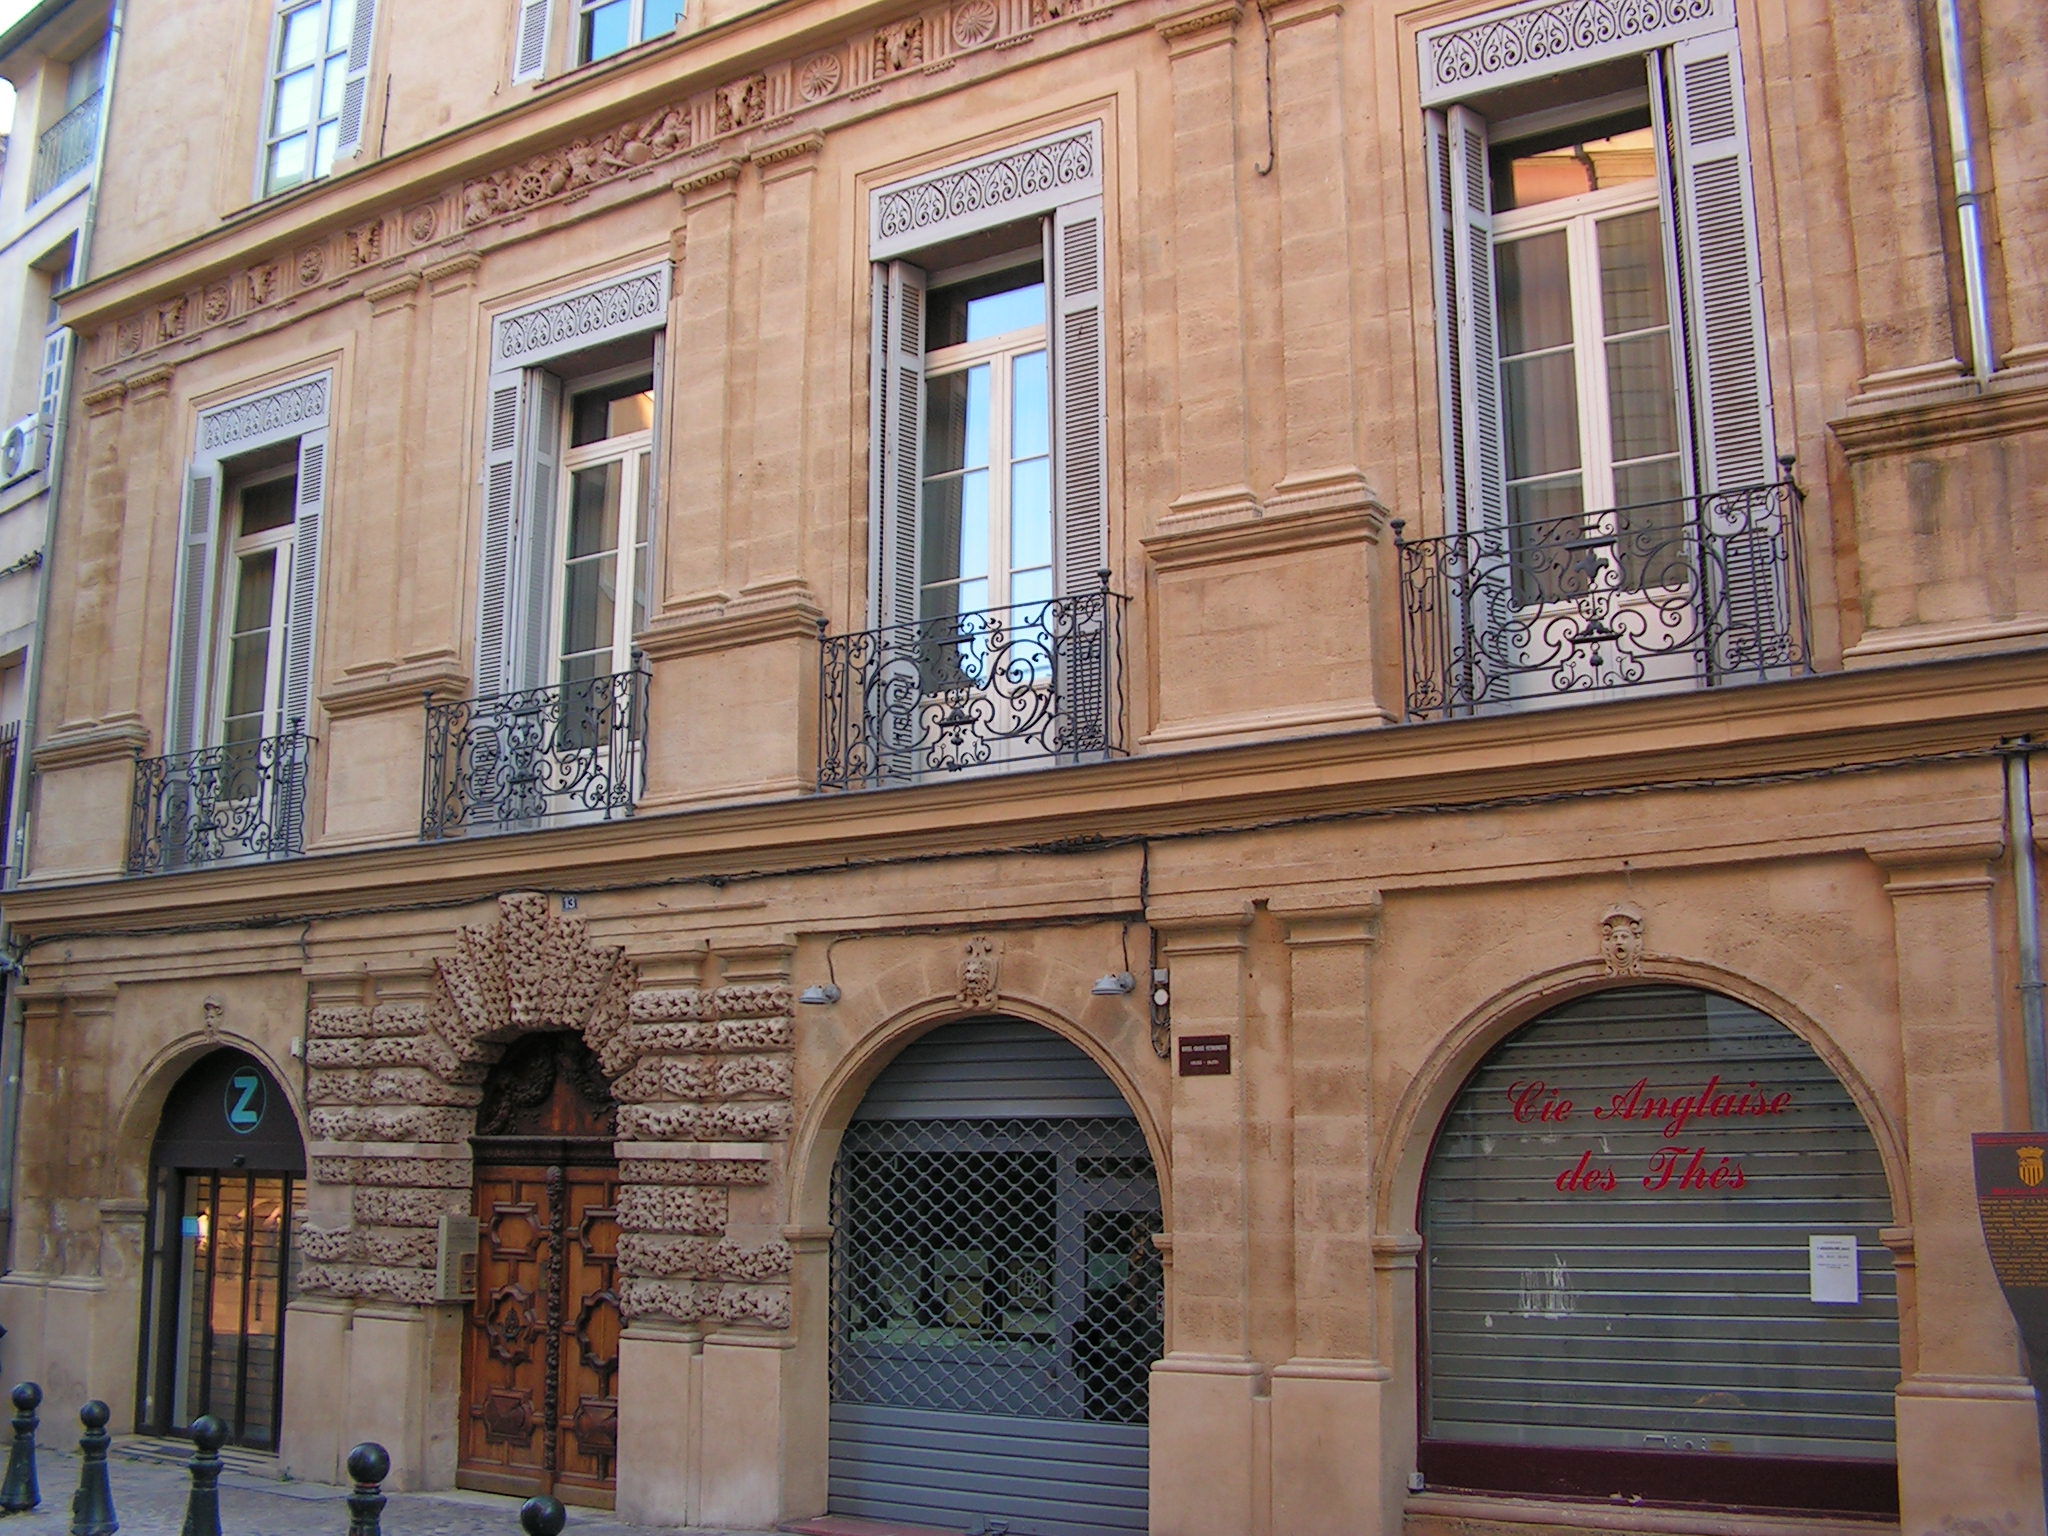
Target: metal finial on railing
[[368, 1465], [18, 1492], [542, 1516], [202, 1505], [92, 1507]]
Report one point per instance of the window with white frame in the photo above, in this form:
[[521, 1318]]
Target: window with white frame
[[989, 389], [1597, 268], [261, 510], [316, 89], [598, 30], [607, 486]]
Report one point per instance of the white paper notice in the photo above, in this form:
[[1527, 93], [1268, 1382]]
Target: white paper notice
[[1831, 1269]]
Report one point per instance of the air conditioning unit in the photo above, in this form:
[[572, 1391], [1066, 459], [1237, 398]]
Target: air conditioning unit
[[23, 447]]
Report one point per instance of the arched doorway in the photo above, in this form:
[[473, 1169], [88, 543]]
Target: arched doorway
[[227, 1182], [1652, 1267], [541, 1353], [996, 1293]]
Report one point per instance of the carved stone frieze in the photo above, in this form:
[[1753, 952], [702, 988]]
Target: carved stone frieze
[[699, 1258], [294, 408], [697, 1210], [1524, 40], [1029, 179], [979, 973], [407, 1207], [1621, 940], [689, 1301], [695, 1170]]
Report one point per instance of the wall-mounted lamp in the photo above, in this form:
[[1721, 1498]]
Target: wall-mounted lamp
[[817, 995], [1115, 984]]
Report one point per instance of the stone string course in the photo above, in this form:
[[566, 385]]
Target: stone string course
[[686, 1063], [436, 224]]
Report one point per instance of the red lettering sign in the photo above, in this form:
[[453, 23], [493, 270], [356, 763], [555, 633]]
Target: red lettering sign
[[1673, 1167]]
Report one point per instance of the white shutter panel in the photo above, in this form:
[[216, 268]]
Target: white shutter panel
[[1450, 316], [1080, 439], [355, 86], [1483, 471], [502, 437], [191, 621], [302, 605], [530, 49], [56, 367], [898, 391], [534, 615], [1723, 282], [657, 515]]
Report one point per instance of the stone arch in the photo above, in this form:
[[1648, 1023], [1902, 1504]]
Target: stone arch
[[140, 1112], [1411, 1128], [687, 1064]]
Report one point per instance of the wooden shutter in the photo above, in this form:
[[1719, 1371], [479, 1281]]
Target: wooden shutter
[[302, 605], [355, 86], [898, 406], [1472, 338], [193, 604], [530, 47], [1718, 253], [1450, 315], [56, 367], [1080, 398], [502, 437], [533, 610]]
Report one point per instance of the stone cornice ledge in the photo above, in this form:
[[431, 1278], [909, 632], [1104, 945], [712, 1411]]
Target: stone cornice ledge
[[102, 741], [758, 616], [406, 685], [1956, 412], [1310, 516], [1200, 18]]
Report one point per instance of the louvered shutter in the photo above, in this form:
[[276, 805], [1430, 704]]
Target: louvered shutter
[[56, 367], [1080, 398], [193, 602], [1450, 315], [533, 610], [355, 86], [657, 515], [530, 48], [502, 438], [302, 606], [1730, 375], [898, 392], [1473, 335]]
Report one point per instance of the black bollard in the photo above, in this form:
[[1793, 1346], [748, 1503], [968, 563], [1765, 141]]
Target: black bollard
[[202, 1506], [92, 1507], [542, 1517], [369, 1464], [19, 1492]]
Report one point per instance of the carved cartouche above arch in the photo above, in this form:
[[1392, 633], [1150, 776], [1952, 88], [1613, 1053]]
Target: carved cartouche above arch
[[532, 969]]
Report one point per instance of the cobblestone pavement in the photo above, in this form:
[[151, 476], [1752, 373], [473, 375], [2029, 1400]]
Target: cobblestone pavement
[[149, 1500]]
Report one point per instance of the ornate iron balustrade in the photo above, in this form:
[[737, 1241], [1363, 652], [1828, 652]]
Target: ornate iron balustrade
[[64, 147], [246, 801], [1689, 593], [512, 761], [973, 690]]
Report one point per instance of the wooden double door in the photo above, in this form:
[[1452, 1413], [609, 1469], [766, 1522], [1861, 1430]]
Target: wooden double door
[[541, 1360]]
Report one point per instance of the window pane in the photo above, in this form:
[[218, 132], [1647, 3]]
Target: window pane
[[661, 17], [294, 99], [1031, 587], [323, 149], [1548, 558], [953, 537], [605, 30], [1541, 395], [612, 411], [254, 590], [1030, 514], [587, 608], [341, 17], [1012, 310], [640, 512], [956, 421], [1642, 405], [1535, 294], [631, 413], [268, 505], [1523, 177], [299, 37], [1030, 420], [332, 80], [1655, 485], [288, 162], [594, 510], [1632, 272]]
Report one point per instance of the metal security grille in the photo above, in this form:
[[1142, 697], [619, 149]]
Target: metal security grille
[[996, 1293], [997, 1267], [1619, 1218]]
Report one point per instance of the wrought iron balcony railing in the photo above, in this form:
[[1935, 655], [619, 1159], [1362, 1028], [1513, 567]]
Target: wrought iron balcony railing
[[64, 147], [220, 804], [1031, 682], [1675, 594], [516, 761]]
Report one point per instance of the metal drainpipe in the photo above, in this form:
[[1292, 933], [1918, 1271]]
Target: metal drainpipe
[[1969, 199], [11, 1043], [2019, 837]]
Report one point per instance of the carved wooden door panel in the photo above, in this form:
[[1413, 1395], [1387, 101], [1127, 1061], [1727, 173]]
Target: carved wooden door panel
[[540, 1368]]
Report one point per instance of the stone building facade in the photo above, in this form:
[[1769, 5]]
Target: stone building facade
[[1095, 763]]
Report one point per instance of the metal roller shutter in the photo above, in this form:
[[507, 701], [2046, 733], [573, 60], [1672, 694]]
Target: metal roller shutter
[[996, 1293], [1619, 1218]]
